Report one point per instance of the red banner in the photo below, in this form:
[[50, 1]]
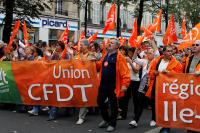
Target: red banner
[[56, 83], [177, 101]]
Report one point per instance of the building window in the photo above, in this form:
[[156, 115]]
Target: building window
[[59, 6], [96, 13]]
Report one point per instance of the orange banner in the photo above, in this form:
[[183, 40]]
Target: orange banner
[[177, 101], [56, 83]]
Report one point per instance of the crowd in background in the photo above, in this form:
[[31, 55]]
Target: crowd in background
[[143, 63]]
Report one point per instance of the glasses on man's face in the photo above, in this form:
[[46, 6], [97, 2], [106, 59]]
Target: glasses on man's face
[[195, 45]]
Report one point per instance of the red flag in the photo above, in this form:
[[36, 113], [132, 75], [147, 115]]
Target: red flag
[[25, 35], [157, 22], [191, 37], [82, 35], [147, 31], [14, 33], [183, 30], [110, 22], [170, 35], [64, 39], [93, 37], [122, 41], [133, 38], [64, 36]]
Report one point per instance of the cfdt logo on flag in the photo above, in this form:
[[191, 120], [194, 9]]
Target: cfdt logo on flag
[[3, 82]]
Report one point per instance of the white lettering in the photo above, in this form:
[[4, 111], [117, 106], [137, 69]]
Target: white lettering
[[54, 72], [174, 86], [184, 95], [184, 114], [164, 87], [83, 87], [197, 90], [71, 94], [47, 92], [30, 92], [166, 116]]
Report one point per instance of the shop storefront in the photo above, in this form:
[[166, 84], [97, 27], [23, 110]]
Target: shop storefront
[[109, 34], [46, 29], [51, 29]]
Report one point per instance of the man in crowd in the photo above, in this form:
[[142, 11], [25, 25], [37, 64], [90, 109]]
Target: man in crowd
[[114, 81], [192, 63], [85, 55], [163, 64]]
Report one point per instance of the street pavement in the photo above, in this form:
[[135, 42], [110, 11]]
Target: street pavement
[[15, 122]]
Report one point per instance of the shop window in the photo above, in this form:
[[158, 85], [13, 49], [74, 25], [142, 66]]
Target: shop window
[[54, 35]]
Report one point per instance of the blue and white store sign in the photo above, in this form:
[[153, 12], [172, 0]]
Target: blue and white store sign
[[109, 34], [54, 24], [50, 23]]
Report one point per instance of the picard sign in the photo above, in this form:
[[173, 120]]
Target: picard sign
[[56, 83], [177, 101]]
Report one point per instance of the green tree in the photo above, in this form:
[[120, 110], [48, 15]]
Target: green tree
[[23, 9], [189, 9]]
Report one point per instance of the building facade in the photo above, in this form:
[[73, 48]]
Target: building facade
[[52, 22], [97, 13]]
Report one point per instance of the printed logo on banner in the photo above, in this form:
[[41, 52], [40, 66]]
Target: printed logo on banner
[[3, 82]]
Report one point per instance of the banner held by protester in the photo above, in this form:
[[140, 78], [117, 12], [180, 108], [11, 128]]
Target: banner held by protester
[[177, 101], [55, 83]]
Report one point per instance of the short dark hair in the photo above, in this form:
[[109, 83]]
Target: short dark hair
[[62, 45], [125, 48], [165, 48], [132, 49]]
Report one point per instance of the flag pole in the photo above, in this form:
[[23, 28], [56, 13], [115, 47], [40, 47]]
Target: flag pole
[[86, 8], [118, 19]]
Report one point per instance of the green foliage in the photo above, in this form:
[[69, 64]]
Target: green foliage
[[23, 9], [190, 9], [26, 9]]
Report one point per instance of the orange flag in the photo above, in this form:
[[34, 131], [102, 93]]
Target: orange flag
[[64, 36], [191, 37], [170, 35], [110, 22], [93, 37], [82, 35], [133, 38], [147, 31], [64, 39], [183, 30], [157, 22], [14, 33], [122, 41], [25, 35]]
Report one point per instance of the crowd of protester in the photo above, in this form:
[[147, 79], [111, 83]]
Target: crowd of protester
[[124, 73]]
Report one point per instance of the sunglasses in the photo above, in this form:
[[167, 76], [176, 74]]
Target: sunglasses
[[195, 45]]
